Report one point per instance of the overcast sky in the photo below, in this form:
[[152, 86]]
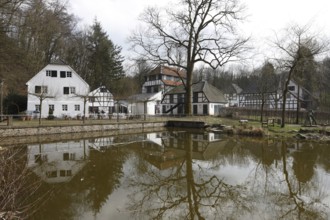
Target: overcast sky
[[120, 17]]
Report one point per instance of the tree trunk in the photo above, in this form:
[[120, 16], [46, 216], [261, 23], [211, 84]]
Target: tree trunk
[[298, 106], [188, 87], [40, 108], [262, 108]]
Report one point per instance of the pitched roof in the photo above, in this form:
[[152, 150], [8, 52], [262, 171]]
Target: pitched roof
[[232, 88], [58, 62], [169, 71], [212, 93], [171, 83]]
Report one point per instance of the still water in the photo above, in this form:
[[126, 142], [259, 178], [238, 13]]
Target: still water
[[177, 175]]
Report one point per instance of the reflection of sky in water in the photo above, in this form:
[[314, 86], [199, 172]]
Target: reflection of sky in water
[[231, 174]]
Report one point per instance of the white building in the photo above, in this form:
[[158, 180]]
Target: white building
[[61, 90], [145, 103]]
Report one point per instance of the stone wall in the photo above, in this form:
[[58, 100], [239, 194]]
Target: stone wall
[[31, 131]]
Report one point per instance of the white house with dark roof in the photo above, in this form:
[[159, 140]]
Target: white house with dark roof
[[61, 90], [206, 100]]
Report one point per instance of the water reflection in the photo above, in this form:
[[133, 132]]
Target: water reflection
[[183, 175]]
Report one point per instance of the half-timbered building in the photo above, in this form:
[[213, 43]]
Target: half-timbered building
[[253, 97], [206, 100]]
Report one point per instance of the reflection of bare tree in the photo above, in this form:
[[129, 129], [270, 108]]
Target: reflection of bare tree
[[18, 185], [299, 207], [176, 193], [279, 185]]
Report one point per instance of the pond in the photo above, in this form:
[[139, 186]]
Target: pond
[[170, 174]]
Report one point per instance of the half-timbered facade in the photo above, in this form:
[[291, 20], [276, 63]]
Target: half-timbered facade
[[101, 101], [251, 97], [206, 100], [162, 79]]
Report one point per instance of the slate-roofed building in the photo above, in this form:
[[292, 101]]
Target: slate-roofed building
[[206, 100]]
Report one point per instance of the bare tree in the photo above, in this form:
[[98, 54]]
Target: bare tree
[[41, 93], [19, 188], [192, 31], [292, 47]]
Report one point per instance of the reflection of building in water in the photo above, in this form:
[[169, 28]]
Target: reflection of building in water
[[57, 162], [168, 149], [101, 144]]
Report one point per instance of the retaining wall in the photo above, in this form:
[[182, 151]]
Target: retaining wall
[[49, 130]]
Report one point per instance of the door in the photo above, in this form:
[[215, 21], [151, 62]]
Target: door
[[205, 110]]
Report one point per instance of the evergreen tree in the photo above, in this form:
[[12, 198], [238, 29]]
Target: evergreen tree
[[104, 59]]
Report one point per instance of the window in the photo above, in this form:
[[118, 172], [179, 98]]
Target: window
[[171, 98], [40, 89], [73, 90], [66, 90], [64, 173], [51, 174], [64, 107], [69, 90], [195, 97], [51, 107], [51, 73], [62, 74], [103, 89], [69, 74], [291, 88], [68, 156], [77, 107], [37, 108]]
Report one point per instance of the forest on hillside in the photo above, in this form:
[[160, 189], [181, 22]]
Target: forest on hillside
[[34, 32]]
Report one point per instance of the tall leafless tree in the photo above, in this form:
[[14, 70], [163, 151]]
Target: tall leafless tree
[[191, 32], [292, 46]]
